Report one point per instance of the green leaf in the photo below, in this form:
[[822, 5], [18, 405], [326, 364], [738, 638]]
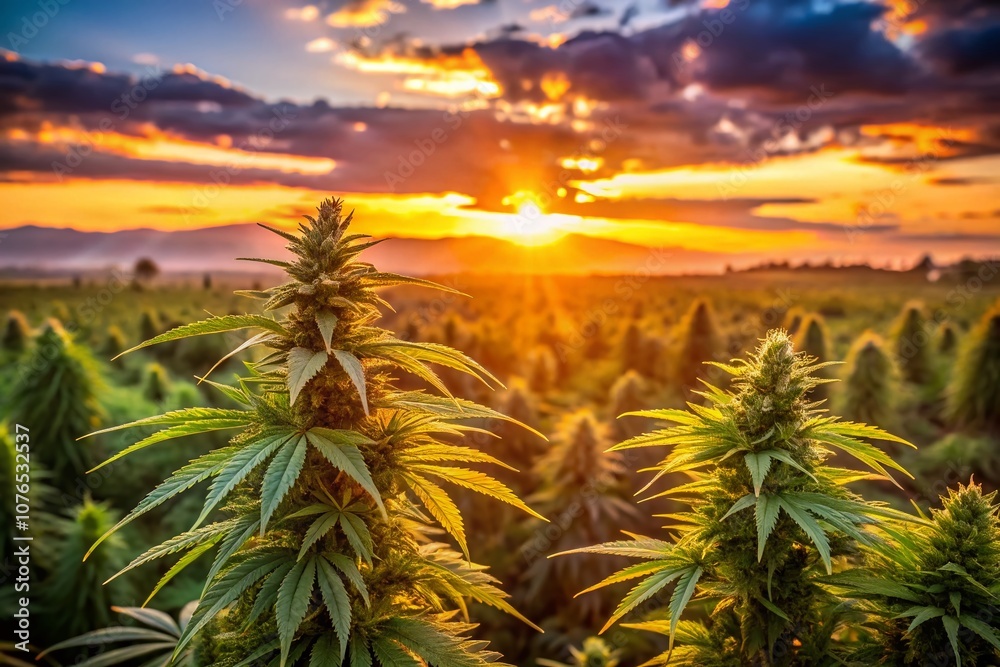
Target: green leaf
[[682, 594], [178, 431], [441, 506], [213, 325], [811, 528], [293, 602], [767, 516], [357, 533], [239, 466], [349, 569], [338, 604], [982, 629], [279, 478], [645, 547], [391, 654], [317, 530], [267, 596], [194, 472], [303, 365], [786, 458], [326, 651], [479, 482], [644, 591], [180, 565], [628, 573], [340, 448], [770, 606], [740, 505], [951, 629], [226, 589], [920, 615], [352, 366], [327, 322], [758, 463], [360, 655]]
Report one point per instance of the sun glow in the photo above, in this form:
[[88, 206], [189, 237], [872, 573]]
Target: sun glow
[[531, 225]]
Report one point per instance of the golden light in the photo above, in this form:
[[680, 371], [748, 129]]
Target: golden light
[[531, 225]]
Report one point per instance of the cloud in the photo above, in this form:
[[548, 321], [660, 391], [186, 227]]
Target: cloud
[[364, 13]]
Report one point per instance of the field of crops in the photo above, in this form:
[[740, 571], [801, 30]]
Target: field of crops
[[921, 356]]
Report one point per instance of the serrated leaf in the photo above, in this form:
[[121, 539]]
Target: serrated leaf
[[740, 505], [325, 652], [327, 322], [340, 448], [643, 591], [180, 565], [240, 466], [767, 516], [317, 530], [441, 507], [682, 594], [811, 528], [279, 478], [357, 533], [293, 602], [352, 366], [183, 479], [338, 604], [951, 629], [758, 463], [213, 325], [303, 365], [479, 482]]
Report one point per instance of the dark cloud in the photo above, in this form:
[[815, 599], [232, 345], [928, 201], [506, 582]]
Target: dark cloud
[[964, 50], [46, 87]]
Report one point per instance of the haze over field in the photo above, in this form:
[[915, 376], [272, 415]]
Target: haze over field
[[726, 131]]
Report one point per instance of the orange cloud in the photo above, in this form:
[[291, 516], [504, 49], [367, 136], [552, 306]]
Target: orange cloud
[[446, 75], [364, 13]]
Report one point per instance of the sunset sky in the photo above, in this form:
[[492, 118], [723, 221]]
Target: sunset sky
[[787, 128]]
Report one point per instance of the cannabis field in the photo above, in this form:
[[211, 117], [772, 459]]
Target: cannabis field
[[385, 472]]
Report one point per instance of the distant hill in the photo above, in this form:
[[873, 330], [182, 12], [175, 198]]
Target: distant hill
[[38, 250]]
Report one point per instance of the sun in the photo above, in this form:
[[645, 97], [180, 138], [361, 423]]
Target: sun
[[530, 225]]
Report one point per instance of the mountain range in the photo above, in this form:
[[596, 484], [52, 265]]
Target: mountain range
[[40, 250]]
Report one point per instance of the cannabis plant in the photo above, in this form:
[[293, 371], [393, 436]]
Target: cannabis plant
[[583, 490], [149, 325], [157, 636], [114, 342], [699, 341], [935, 599], [767, 519], [74, 591], [16, 333], [947, 339], [55, 395], [627, 395], [595, 652], [633, 348], [324, 551], [520, 446], [812, 339], [912, 344], [974, 395], [155, 383], [870, 376]]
